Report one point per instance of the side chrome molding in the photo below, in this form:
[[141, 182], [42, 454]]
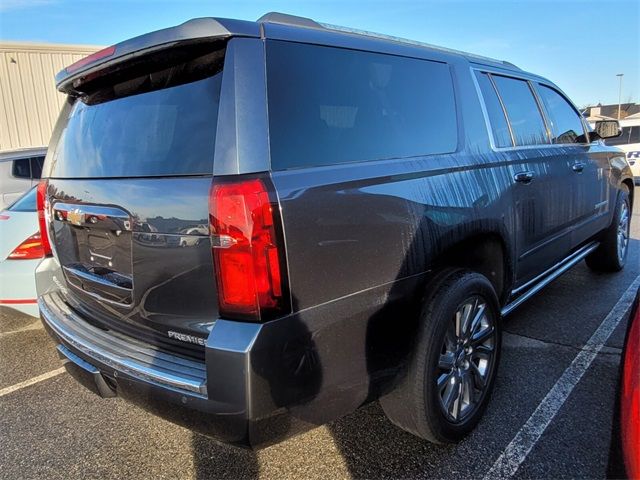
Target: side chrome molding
[[532, 287]]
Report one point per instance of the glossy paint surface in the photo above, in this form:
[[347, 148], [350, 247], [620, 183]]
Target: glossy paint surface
[[360, 240], [162, 249]]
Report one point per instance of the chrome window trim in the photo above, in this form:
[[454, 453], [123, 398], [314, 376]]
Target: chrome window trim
[[485, 113], [585, 131], [504, 110]]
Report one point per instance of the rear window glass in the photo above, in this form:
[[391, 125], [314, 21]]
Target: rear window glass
[[26, 203], [162, 132], [21, 168], [330, 105], [523, 112]]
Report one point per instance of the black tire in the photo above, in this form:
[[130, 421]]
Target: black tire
[[606, 257], [416, 404]]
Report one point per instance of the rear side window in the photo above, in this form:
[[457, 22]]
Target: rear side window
[[522, 110], [157, 124], [566, 125], [499, 126], [36, 167], [21, 168], [330, 105]]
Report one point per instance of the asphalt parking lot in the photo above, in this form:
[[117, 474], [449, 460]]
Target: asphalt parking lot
[[51, 427]]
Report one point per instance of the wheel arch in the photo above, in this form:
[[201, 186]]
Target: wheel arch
[[487, 253]]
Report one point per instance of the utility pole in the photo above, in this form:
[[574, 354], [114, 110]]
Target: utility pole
[[619, 75]]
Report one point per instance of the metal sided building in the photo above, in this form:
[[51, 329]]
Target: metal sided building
[[29, 101]]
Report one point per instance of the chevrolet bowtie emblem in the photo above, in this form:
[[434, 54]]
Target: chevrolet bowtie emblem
[[76, 217]]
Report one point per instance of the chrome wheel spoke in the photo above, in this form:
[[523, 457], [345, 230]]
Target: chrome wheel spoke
[[444, 380], [476, 320], [478, 378], [447, 361], [469, 387], [483, 352], [450, 396], [482, 336]]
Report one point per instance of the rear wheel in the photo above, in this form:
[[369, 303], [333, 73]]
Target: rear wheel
[[611, 255], [451, 373]]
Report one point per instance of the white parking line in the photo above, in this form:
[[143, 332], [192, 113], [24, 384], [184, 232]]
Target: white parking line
[[516, 452], [31, 381]]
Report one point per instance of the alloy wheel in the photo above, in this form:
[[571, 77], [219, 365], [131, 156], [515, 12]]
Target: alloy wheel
[[466, 359], [623, 231]]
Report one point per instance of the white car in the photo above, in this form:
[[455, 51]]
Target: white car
[[20, 252], [629, 142], [19, 171]]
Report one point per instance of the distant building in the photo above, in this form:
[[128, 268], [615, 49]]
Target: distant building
[[607, 112], [29, 101]]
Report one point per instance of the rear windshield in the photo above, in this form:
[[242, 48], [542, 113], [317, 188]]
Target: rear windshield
[[331, 105], [26, 203], [122, 133]]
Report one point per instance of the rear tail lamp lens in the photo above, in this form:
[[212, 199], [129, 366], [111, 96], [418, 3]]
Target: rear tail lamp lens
[[630, 396], [42, 204], [247, 250], [30, 249]]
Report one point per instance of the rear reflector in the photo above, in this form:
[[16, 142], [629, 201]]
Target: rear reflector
[[30, 249], [94, 57], [247, 250], [42, 204]]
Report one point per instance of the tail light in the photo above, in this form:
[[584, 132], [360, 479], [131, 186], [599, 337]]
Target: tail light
[[41, 204], [247, 250], [630, 396], [94, 57], [30, 249]]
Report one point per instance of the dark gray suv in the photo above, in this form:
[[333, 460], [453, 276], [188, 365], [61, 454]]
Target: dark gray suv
[[254, 228]]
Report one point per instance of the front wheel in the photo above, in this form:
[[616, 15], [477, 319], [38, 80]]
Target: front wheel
[[611, 255], [451, 373]]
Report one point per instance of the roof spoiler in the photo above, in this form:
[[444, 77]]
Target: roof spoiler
[[200, 29]]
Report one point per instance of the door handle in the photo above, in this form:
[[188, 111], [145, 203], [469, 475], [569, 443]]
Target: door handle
[[578, 167], [524, 177]]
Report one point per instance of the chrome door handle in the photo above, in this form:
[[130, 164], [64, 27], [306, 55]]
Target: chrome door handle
[[578, 167], [524, 177]]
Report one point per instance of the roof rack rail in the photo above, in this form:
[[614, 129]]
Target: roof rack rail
[[286, 19]]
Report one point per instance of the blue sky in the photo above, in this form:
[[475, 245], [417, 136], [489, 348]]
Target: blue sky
[[580, 45]]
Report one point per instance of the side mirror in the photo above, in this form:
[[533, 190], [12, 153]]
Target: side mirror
[[606, 129]]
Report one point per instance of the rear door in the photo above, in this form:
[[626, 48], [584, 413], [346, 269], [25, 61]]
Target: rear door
[[545, 208], [129, 172]]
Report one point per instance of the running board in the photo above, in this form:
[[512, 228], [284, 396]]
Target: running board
[[534, 286]]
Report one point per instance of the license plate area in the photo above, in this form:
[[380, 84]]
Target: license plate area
[[93, 244]]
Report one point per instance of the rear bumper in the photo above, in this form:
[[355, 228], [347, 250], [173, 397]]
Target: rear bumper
[[215, 398], [18, 286]]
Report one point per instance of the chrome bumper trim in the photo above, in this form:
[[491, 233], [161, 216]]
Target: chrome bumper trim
[[123, 354]]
